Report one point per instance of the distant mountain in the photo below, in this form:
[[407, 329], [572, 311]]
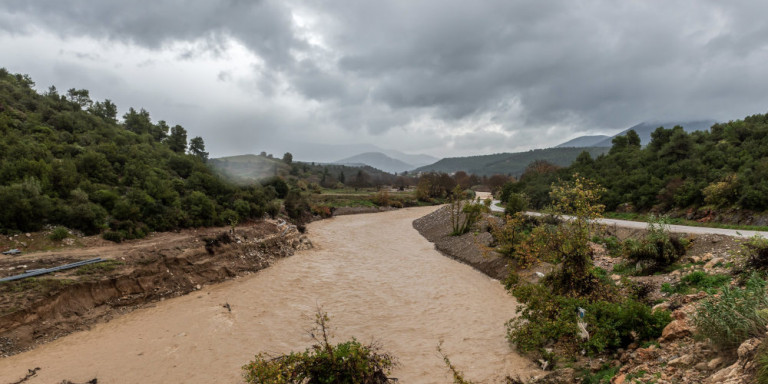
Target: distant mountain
[[377, 160], [415, 160], [584, 141], [509, 163], [248, 168], [644, 130]]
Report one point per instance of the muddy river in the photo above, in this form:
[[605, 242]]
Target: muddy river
[[373, 274]]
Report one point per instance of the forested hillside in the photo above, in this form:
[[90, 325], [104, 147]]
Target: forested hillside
[[512, 164], [725, 167], [67, 160]]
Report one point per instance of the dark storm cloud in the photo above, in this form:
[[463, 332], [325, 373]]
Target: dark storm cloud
[[264, 26], [557, 67]]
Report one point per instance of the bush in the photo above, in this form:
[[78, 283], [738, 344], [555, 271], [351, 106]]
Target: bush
[[756, 252], [349, 362], [114, 236], [516, 202], [549, 318], [734, 316], [698, 280], [658, 249], [59, 233]]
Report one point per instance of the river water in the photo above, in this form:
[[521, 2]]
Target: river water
[[375, 276]]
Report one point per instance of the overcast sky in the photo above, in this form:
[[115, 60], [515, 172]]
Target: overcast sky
[[445, 78]]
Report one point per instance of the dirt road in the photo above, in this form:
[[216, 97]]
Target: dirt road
[[375, 276]]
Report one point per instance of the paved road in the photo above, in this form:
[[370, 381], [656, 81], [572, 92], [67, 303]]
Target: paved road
[[677, 228], [672, 228]]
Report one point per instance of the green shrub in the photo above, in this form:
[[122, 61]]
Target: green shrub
[[756, 252], [761, 374], [603, 376], [59, 233], [347, 363], [658, 249], [734, 316], [698, 280], [112, 236], [548, 318], [516, 202]]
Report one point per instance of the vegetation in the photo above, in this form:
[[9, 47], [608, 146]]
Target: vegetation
[[657, 250], [735, 315], [510, 164], [725, 167], [698, 281], [67, 160], [349, 362], [550, 315], [465, 212]]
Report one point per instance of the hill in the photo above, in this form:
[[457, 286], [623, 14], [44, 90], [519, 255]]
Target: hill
[[377, 160], [508, 163], [67, 160], [717, 170], [244, 169], [644, 130], [585, 141]]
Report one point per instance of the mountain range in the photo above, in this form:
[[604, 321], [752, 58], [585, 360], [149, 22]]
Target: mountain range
[[643, 130]]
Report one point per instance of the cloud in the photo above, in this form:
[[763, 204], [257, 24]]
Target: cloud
[[445, 76]]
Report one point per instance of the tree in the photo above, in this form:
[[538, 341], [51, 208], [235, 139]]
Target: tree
[[177, 140], [197, 148], [288, 158], [106, 110], [137, 122], [79, 97]]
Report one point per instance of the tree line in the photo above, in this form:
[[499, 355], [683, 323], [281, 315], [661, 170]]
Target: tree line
[[723, 168], [67, 160]]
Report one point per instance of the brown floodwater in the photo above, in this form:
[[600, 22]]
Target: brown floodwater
[[375, 276]]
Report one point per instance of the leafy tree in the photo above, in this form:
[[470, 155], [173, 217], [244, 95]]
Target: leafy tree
[[177, 140], [197, 148], [288, 158]]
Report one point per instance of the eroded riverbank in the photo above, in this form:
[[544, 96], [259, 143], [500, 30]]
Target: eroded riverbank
[[375, 276]]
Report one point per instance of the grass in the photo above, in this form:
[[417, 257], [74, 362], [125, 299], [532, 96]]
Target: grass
[[697, 281], [41, 285], [679, 221], [103, 267]]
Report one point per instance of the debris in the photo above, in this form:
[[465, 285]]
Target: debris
[[30, 374], [37, 272], [14, 251]]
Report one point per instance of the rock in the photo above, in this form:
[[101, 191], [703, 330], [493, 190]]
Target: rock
[[677, 329], [706, 257], [748, 348], [660, 307], [726, 374], [715, 363], [711, 264], [682, 361], [564, 375], [701, 366], [679, 314], [646, 354], [619, 379], [615, 277], [28, 235]]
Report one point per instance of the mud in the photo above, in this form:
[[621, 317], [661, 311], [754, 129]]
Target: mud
[[37, 310]]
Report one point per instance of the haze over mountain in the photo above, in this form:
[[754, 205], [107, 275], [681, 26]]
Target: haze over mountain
[[509, 163], [643, 130], [377, 160]]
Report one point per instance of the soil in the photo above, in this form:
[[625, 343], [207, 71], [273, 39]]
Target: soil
[[471, 248], [137, 273]]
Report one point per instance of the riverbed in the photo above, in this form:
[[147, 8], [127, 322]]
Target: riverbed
[[374, 275]]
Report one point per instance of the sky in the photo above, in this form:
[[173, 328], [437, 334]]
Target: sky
[[439, 77]]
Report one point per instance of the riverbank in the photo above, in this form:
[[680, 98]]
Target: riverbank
[[136, 273], [376, 277]]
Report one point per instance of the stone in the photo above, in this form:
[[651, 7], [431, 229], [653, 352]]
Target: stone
[[725, 374], [715, 363], [677, 329], [682, 361], [619, 379], [660, 307], [702, 366], [747, 348], [645, 354], [711, 264]]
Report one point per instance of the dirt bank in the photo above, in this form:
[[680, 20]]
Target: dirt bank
[[468, 248], [37, 310]]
